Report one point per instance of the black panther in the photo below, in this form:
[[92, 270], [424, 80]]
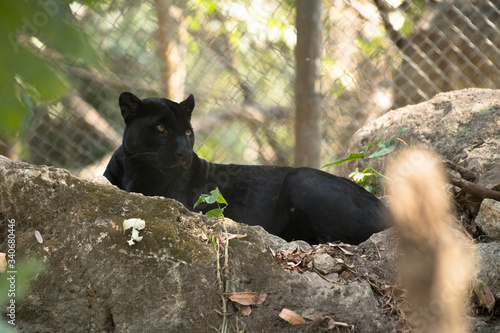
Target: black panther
[[156, 158]]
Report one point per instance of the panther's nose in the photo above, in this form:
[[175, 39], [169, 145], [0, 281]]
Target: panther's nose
[[182, 154], [184, 158], [183, 149]]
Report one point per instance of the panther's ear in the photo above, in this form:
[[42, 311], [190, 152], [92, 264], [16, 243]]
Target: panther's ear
[[129, 103], [188, 105]]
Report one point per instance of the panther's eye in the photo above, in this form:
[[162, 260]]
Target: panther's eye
[[188, 132], [161, 128]]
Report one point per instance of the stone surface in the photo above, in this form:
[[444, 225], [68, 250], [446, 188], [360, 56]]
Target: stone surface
[[489, 263], [325, 263], [95, 282], [488, 218]]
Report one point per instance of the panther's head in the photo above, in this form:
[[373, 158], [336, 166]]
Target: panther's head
[[158, 131]]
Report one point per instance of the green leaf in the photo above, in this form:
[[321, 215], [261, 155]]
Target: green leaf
[[205, 198], [199, 201], [217, 212], [361, 176], [354, 173], [387, 146], [353, 156], [384, 148], [370, 188], [220, 198], [213, 197]]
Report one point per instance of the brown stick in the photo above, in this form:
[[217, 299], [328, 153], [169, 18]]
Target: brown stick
[[466, 174], [475, 189]]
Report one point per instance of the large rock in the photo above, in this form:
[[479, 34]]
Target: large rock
[[488, 218], [95, 282], [489, 254], [462, 126]]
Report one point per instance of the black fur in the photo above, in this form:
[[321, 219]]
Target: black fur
[[157, 158]]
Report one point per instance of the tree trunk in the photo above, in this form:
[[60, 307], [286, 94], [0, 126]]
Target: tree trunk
[[307, 84], [172, 49]]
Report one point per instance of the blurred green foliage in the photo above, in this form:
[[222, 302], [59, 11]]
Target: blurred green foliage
[[37, 36], [26, 269]]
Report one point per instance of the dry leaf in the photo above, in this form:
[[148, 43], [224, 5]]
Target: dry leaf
[[345, 251], [248, 298], [245, 310], [484, 295], [203, 237], [292, 317], [345, 275], [233, 236]]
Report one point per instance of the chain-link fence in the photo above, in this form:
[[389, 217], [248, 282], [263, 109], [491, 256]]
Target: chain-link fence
[[237, 58]]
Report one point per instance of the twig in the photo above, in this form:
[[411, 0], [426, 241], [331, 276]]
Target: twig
[[466, 174], [225, 270], [378, 173], [475, 189], [327, 279], [221, 289], [316, 322]]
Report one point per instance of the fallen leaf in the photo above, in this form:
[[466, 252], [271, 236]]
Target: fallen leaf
[[292, 317], [345, 251], [484, 295], [345, 275], [203, 237], [233, 236], [245, 310], [248, 298]]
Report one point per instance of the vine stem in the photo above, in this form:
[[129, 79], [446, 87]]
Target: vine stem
[[222, 275], [378, 173]]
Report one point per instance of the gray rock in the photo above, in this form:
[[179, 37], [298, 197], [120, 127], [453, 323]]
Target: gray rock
[[95, 282], [489, 266], [488, 218], [480, 326], [325, 264], [462, 126]]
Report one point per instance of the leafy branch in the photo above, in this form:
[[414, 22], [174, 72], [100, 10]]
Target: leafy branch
[[369, 178]]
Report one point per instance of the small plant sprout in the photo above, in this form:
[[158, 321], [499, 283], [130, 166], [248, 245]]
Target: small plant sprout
[[369, 178], [222, 272], [214, 197], [136, 225]]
